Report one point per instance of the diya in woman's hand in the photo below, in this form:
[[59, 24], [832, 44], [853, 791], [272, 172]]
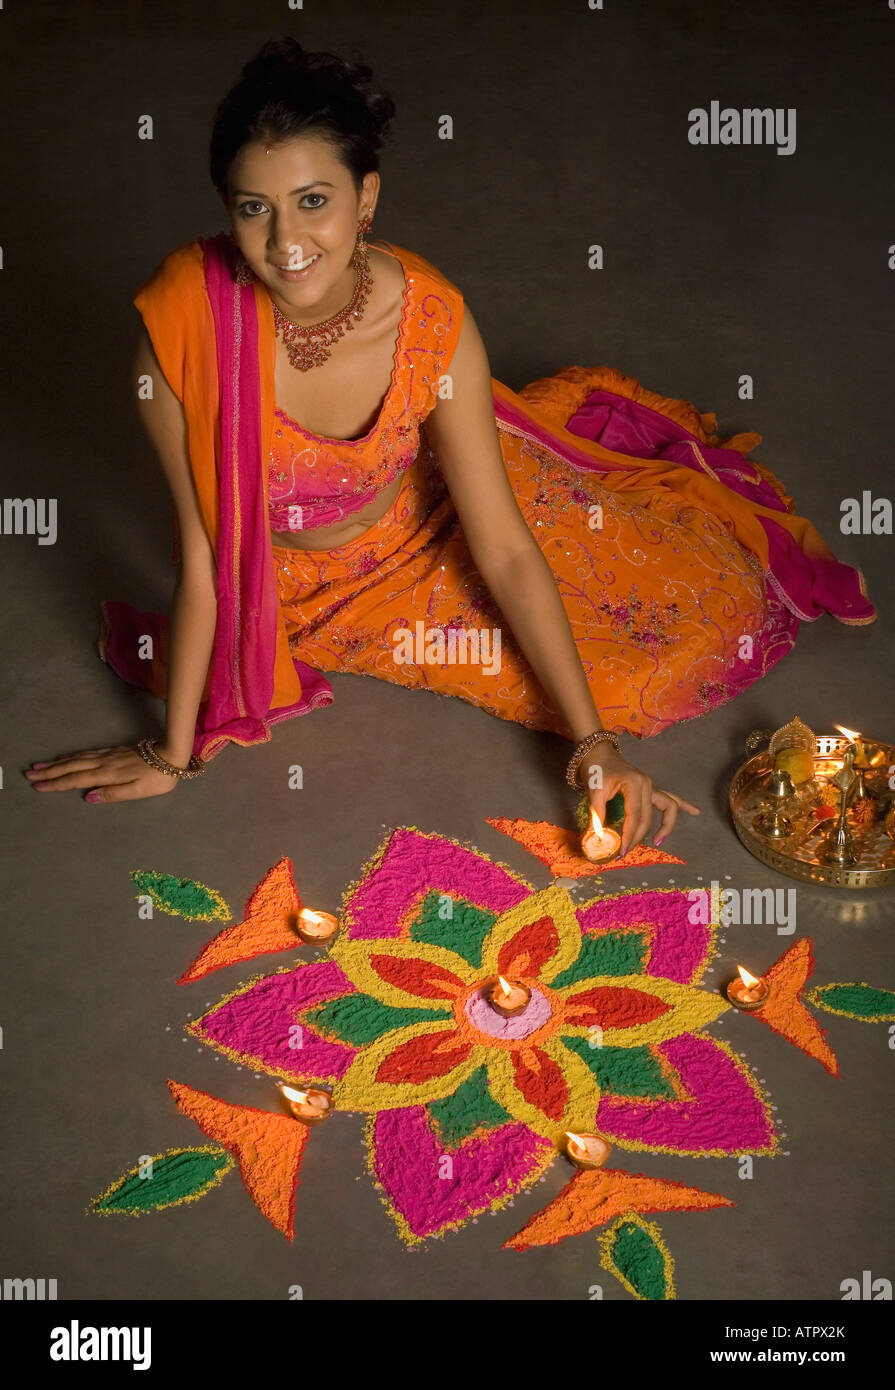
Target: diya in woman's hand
[[608, 774]]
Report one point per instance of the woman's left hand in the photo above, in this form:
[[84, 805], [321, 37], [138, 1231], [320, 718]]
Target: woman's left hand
[[616, 774]]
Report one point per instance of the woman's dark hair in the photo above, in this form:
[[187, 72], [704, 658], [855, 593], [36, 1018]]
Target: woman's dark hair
[[284, 92]]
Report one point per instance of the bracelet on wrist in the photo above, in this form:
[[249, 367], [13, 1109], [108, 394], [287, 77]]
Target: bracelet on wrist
[[149, 753], [584, 747]]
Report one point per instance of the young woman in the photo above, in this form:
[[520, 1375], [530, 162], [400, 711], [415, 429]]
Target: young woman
[[354, 491]]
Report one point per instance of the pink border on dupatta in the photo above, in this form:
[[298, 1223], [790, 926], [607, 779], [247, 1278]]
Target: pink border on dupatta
[[244, 653], [243, 658]]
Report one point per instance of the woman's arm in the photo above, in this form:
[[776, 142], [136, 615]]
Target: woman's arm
[[194, 614], [120, 773], [464, 436]]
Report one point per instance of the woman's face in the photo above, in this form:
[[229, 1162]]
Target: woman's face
[[294, 214]]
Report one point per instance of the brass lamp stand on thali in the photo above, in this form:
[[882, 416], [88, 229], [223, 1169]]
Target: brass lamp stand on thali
[[818, 807]]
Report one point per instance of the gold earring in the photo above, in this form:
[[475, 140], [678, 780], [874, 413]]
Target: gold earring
[[359, 255], [243, 274]]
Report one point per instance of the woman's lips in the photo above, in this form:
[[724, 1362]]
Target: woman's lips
[[286, 274]]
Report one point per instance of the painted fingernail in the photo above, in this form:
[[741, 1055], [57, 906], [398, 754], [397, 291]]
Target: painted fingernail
[[40, 784], [660, 841], [93, 796], [37, 765]]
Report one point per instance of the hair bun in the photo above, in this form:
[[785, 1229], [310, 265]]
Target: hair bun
[[283, 53], [284, 57], [286, 90]]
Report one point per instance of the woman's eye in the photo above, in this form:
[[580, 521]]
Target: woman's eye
[[255, 208]]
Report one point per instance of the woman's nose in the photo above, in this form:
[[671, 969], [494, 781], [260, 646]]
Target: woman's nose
[[286, 236]]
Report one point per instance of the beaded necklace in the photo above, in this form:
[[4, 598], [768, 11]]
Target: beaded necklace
[[310, 347]]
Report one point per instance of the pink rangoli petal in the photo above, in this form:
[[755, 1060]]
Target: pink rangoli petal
[[415, 864], [725, 1115], [260, 1023], [408, 1161], [679, 946]]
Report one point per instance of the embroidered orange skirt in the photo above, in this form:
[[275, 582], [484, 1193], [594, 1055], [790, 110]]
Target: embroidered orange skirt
[[658, 593]]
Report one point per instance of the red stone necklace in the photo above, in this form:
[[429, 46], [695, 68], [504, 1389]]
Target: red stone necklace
[[310, 347]]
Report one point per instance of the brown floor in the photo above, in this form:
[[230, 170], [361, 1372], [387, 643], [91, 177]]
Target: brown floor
[[719, 262]]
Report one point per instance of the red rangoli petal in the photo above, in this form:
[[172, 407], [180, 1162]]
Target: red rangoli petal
[[529, 950], [541, 1082], [423, 1058], [614, 1006], [420, 977]]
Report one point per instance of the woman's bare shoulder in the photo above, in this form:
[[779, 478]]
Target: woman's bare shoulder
[[419, 266]]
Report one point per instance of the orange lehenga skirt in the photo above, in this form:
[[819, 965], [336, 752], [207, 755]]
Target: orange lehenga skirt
[[659, 594]]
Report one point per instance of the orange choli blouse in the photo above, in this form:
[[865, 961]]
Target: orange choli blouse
[[316, 481]]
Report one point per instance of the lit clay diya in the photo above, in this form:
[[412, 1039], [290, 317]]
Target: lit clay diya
[[747, 992], [508, 997], [316, 928], [599, 844], [587, 1150], [311, 1106]]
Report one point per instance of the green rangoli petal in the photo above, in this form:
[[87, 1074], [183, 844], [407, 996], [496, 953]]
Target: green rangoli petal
[[463, 932], [182, 897], [607, 953], [469, 1108], [633, 1250], [359, 1019], [624, 1071], [856, 1001], [180, 1175]]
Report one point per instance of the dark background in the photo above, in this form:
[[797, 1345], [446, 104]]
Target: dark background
[[570, 127]]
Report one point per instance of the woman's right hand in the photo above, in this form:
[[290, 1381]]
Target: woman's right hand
[[111, 774], [640, 797]]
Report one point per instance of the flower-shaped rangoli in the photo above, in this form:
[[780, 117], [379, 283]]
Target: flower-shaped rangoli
[[468, 1107]]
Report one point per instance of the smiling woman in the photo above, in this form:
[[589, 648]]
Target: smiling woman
[[346, 472]]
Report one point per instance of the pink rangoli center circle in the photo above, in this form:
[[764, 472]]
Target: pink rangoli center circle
[[485, 1017]]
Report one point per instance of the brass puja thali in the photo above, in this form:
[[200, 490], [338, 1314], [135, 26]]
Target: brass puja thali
[[818, 807]]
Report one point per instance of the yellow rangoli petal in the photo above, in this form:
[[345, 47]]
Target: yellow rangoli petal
[[689, 1009], [549, 948], [403, 1068], [363, 963]]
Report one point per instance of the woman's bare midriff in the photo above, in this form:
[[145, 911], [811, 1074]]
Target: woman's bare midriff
[[328, 537]]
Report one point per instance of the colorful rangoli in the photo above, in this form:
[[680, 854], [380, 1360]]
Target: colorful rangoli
[[464, 1107]]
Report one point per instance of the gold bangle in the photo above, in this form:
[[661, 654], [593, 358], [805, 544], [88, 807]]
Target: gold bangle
[[148, 752], [598, 736]]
